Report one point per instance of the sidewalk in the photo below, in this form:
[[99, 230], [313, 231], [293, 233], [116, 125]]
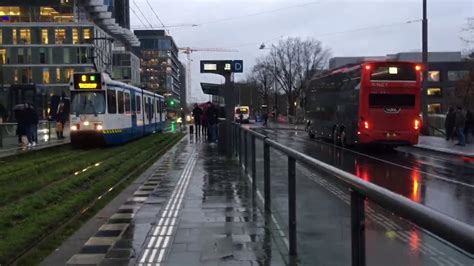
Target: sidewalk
[[441, 145], [194, 208]]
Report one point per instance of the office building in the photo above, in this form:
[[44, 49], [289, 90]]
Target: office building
[[160, 66], [42, 43]]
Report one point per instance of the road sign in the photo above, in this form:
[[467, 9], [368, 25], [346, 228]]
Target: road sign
[[238, 66], [222, 66]]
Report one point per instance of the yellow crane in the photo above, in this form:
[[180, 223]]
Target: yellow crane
[[188, 51]]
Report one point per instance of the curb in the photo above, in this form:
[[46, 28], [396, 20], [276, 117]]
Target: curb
[[442, 150]]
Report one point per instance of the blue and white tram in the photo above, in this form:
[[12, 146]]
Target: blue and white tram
[[105, 111]]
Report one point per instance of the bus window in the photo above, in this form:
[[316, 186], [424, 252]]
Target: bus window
[[127, 102], [111, 101], [120, 102], [138, 104], [400, 73]]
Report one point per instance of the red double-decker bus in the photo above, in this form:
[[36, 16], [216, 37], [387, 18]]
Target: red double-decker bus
[[370, 102]]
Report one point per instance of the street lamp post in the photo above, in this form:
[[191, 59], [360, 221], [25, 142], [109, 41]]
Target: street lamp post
[[425, 62]]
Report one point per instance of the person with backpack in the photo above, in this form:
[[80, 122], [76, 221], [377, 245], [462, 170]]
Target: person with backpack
[[449, 123]]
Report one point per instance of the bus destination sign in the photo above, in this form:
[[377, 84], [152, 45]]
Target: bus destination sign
[[87, 81]]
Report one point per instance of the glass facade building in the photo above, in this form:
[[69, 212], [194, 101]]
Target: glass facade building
[[160, 66], [42, 43]]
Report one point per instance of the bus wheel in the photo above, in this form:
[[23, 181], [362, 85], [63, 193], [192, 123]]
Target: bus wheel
[[334, 137], [343, 141]]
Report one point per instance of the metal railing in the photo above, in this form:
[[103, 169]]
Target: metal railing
[[453, 231]]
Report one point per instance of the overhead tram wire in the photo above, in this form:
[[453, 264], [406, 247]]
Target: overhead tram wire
[[328, 34], [139, 19], [156, 15], [140, 10], [258, 13]]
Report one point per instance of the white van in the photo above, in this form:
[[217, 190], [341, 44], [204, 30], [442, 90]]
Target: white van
[[242, 114]]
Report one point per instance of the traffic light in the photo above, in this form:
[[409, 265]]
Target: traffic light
[[172, 103]]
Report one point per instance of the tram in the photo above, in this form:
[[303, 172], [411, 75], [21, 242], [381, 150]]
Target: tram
[[109, 112]]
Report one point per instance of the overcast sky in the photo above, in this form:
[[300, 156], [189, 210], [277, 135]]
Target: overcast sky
[[346, 27]]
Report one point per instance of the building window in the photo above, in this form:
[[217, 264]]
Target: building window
[[58, 74], [9, 13], [26, 75], [14, 36], [86, 35], [45, 75], [75, 36], [3, 56], [434, 108], [25, 36], [67, 55], [433, 76], [433, 92], [44, 36], [68, 72], [21, 56], [42, 56], [59, 35], [457, 75], [15, 76]]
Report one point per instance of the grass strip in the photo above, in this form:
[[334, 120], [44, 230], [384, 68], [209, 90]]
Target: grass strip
[[38, 214]]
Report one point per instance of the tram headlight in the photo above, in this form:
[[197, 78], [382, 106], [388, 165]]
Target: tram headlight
[[98, 127], [86, 123], [74, 128]]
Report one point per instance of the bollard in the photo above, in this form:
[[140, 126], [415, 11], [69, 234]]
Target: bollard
[[254, 163], [292, 204], [266, 177], [245, 153], [240, 147], [357, 229]]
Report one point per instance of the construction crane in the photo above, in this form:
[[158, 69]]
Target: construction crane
[[188, 51]]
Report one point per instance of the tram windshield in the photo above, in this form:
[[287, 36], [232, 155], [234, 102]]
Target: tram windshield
[[87, 102]]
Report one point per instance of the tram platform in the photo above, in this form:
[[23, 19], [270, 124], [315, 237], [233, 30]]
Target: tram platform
[[192, 207]]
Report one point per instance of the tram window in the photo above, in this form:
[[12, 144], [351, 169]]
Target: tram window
[[138, 104], [127, 102], [158, 107], [111, 101], [120, 101]]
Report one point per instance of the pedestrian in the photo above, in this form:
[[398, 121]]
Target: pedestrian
[[204, 129], [197, 113], [21, 126], [449, 123], [469, 128], [460, 125], [31, 120], [3, 114], [61, 118], [265, 118], [211, 114]]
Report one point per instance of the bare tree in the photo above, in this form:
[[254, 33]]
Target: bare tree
[[293, 62], [262, 76]]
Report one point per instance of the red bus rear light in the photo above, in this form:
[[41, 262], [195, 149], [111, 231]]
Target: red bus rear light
[[367, 67], [416, 124], [417, 67], [366, 125]]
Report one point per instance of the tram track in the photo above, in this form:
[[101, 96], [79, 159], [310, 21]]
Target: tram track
[[92, 177]]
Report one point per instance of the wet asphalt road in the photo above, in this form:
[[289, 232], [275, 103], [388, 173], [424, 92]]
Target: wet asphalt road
[[440, 181]]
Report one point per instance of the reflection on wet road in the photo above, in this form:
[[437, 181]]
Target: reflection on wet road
[[442, 182]]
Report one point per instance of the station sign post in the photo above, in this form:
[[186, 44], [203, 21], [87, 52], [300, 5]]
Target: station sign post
[[225, 68]]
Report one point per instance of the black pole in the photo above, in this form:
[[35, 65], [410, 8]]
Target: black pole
[[357, 229], [292, 205], [266, 177], [424, 49]]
